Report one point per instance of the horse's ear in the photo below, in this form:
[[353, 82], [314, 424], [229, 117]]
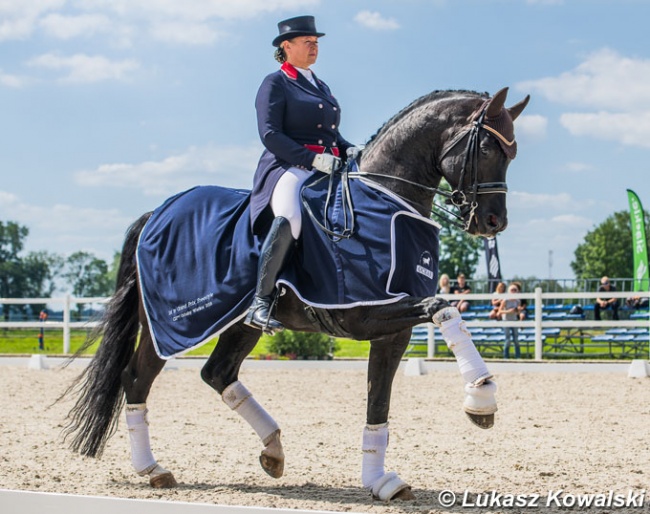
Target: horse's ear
[[516, 109], [496, 103]]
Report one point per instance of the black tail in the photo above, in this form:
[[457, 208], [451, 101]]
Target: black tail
[[93, 419]]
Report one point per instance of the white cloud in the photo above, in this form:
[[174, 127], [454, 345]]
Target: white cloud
[[531, 127], [605, 80], [374, 20], [57, 228], [523, 200], [632, 129], [83, 68], [196, 10], [613, 87], [186, 33], [18, 18], [12, 81], [121, 19], [230, 166], [67, 27], [578, 167]]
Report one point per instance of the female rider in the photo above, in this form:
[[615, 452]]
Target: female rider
[[298, 122]]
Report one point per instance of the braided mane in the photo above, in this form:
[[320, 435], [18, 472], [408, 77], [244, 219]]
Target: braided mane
[[434, 96]]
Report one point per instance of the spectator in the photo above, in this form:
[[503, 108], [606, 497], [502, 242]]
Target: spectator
[[508, 312], [604, 302], [444, 285], [461, 287], [637, 302], [522, 309], [496, 302]]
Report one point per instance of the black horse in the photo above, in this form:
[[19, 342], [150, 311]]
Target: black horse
[[464, 137]]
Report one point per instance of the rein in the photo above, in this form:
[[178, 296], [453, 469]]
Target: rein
[[463, 199]]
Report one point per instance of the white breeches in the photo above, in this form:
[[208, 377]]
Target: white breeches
[[285, 200]]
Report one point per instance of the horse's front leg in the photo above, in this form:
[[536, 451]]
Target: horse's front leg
[[385, 356], [221, 372], [137, 379], [480, 403]]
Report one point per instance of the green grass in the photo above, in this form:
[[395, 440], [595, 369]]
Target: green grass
[[25, 341], [590, 350]]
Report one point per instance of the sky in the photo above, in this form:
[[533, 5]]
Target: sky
[[108, 107]]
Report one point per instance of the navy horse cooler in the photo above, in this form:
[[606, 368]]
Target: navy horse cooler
[[197, 257]]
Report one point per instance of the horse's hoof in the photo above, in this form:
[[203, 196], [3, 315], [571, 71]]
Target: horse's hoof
[[481, 420], [391, 487], [274, 467], [272, 457], [404, 495], [163, 481]]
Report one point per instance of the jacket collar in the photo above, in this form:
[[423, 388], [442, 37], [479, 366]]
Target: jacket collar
[[293, 74], [289, 70]]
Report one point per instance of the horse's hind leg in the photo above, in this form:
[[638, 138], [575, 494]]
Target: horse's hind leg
[[385, 356], [221, 372], [137, 378]]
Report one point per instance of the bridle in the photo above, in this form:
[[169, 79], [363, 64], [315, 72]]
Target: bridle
[[464, 199]]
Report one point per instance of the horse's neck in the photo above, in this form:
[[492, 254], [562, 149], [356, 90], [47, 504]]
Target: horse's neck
[[407, 151], [408, 146]]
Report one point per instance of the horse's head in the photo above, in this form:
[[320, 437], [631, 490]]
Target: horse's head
[[474, 159]]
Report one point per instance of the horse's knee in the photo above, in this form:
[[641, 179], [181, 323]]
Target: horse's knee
[[436, 305], [217, 377]]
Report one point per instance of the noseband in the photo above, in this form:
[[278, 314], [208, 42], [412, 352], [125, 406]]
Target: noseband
[[466, 200]]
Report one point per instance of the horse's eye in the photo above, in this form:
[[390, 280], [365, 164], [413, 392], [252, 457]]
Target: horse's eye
[[485, 149]]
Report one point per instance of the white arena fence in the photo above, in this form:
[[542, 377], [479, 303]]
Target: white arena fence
[[539, 319]]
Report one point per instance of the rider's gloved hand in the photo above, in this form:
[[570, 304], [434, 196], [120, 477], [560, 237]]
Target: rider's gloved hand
[[353, 152], [326, 162]]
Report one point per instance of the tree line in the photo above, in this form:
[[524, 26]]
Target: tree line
[[38, 274], [605, 250]]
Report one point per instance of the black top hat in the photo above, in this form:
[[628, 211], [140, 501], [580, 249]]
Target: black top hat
[[294, 27]]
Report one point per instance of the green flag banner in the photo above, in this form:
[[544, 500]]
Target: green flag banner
[[639, 245]]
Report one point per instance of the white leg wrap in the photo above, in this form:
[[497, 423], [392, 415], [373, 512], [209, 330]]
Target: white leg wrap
[[241, 400], [480, 400], [382, 485], [375, 442], [141, 456], [459, 340]]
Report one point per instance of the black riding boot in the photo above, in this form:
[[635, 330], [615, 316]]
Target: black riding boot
[[273, 255]]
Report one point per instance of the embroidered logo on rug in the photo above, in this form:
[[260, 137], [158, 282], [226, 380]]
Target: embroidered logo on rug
[[425, 267]]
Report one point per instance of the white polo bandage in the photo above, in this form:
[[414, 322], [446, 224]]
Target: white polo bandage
[[241, 400], [375, 442], [142, 458], [459, 340]]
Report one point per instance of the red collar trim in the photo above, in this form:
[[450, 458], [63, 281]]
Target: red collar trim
[[289, 70]]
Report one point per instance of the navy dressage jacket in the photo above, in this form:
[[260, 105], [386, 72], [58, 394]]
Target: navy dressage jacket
[[291, 113]]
